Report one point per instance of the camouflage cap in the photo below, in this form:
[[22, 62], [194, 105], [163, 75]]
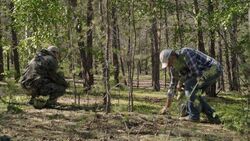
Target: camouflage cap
[[164, 56]]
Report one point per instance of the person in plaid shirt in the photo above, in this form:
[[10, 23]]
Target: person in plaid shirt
[[190, 66]]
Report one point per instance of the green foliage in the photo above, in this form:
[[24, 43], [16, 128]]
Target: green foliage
[[233, 112], [234, 117], [143, 108], [146, 108], [14, 109], [9, 96], [119, 107], [27, 47], [11, 89], [38, 23], [8, 73], [57, 116], [228, 10], [244, 50], [38, 16]]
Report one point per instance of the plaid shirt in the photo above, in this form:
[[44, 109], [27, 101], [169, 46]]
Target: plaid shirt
[[195, 61]]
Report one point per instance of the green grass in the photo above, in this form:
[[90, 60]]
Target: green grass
[[233, 110], [139, 107], [230, 106]]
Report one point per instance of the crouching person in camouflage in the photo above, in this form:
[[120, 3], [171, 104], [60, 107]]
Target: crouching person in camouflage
[[42, 79]]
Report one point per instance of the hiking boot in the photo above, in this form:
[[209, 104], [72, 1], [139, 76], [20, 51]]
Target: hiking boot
[[39, 103], [5, 138], [31, 101], [214, 120], [187, 118], [51, 103]]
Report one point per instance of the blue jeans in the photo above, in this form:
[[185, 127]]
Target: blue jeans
[[209, 79]]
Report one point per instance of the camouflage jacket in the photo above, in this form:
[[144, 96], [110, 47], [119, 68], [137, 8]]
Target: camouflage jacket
[[42, 67]]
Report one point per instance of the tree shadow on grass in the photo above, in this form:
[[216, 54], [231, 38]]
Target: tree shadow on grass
[[226, 100], [65, 107]]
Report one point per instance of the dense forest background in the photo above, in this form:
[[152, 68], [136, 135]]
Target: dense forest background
[[108, 45]]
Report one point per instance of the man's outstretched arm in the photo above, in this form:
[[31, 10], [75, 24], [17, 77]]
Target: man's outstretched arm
[[171, 91]]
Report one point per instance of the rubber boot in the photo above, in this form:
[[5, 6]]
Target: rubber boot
[[51, 103], [31, 101]]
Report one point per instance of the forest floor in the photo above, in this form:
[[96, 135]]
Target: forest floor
[[71, 122]]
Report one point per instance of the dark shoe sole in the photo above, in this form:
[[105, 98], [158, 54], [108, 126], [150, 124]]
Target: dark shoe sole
[[188, 119]]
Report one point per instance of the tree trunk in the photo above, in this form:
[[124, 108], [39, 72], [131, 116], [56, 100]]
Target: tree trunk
[[152, 58], [106, 57], [115, 44], [155, 51], [156, 64], [1, 50], [89, 51], [211, 91], [8, 60], [200, 41], [146, 66], [14, 46], [228, 66], [234, 54], [221, 80], [121, 60], [146, 52], [82, 51], [130, 62], [139, 61], [103, 47], [130, 81], [11, 57], [138, 73], [179, 24], [167, 42], [166, 27], [72, 19], [70, 14]]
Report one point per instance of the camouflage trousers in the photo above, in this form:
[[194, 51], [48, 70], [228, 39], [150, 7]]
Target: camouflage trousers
[[47, 88]]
